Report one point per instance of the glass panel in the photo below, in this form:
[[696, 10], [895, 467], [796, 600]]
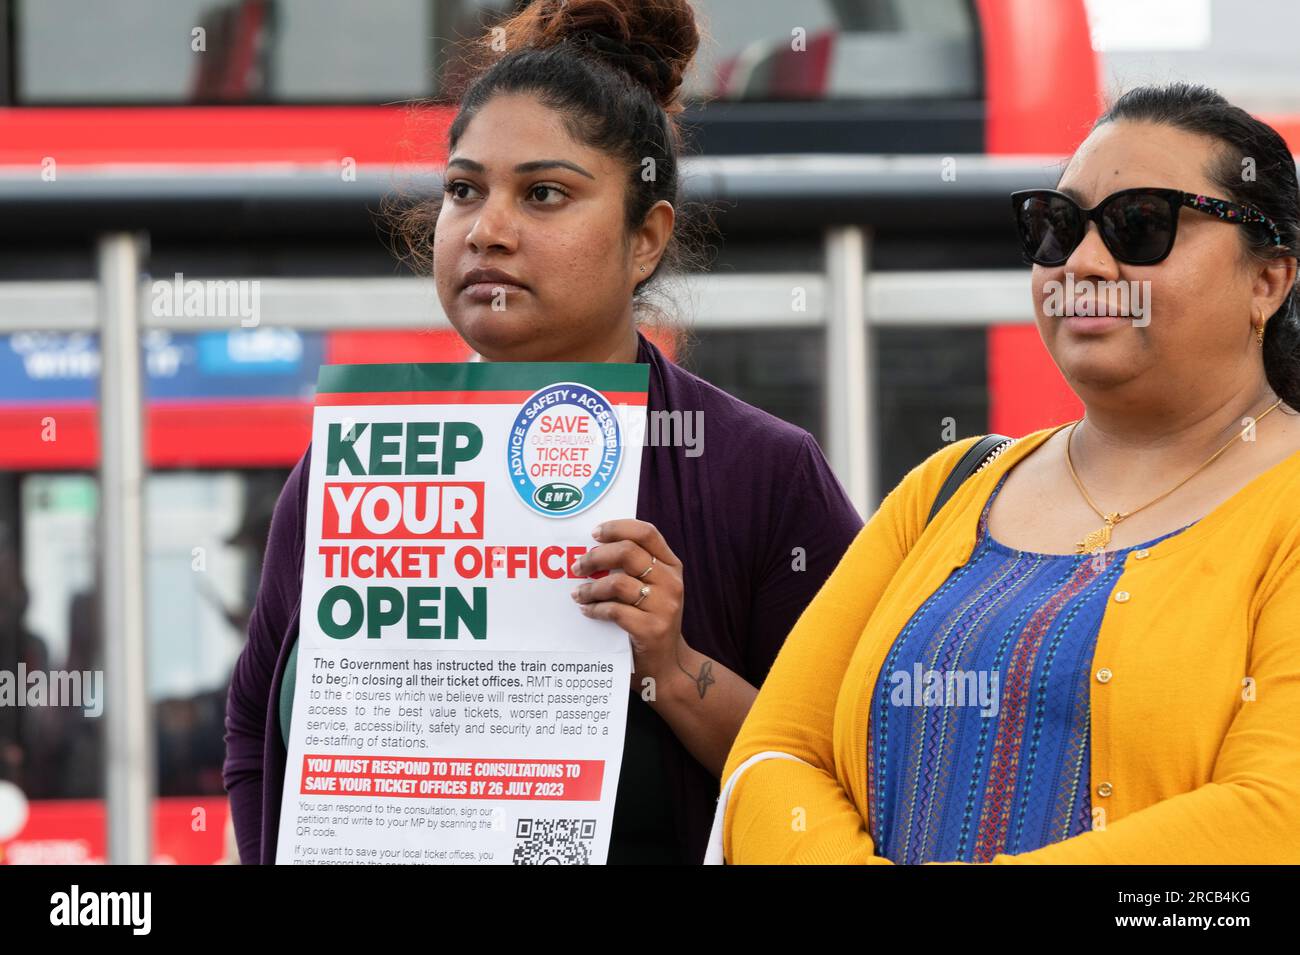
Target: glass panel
[[55, 567], [182, 51], [778, 370], [315, 51], [838, 49], [206, 535], [925, 378]]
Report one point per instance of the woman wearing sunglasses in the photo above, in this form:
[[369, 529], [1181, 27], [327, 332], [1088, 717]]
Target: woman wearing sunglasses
[[1092, 653]]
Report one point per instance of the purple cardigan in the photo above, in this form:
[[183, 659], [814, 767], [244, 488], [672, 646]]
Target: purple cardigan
[[734, 515]]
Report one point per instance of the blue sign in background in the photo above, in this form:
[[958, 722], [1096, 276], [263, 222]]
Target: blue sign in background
[[248, 363]]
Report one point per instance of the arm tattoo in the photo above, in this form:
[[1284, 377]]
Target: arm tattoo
[[703, 680]]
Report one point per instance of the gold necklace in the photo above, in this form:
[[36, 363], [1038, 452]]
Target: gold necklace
[[1098, 539]]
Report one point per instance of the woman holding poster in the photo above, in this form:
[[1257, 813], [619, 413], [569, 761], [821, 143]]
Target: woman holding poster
[[559, 214]]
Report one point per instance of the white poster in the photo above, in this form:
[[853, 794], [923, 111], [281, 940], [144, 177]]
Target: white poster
[[451, 704]]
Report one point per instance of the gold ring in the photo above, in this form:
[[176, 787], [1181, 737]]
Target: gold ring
[[645, 592], [653, 561]]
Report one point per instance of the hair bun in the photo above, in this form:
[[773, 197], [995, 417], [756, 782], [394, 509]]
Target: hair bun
[[654, 41], [632, 57]]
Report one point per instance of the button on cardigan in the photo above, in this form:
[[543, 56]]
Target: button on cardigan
[[978, 736], [1194, 700]]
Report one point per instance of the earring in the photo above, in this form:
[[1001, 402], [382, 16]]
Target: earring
[[643, 268], [1259, 330]]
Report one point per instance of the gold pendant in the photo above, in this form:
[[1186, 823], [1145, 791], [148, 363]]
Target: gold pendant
[[1099, 538]]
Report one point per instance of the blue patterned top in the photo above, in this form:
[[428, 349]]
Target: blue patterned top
[[978, 739]]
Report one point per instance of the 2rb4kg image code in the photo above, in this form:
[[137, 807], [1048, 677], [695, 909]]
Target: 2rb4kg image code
[[554, 841]]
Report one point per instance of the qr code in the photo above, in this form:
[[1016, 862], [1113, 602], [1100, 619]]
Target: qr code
[[554, 841]]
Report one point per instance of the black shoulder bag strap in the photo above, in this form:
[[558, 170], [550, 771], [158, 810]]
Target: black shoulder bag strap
[[977, 455]]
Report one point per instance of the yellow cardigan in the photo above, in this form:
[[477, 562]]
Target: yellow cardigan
[[1195, 726]]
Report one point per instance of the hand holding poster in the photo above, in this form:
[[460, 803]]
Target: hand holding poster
[[451, 703]]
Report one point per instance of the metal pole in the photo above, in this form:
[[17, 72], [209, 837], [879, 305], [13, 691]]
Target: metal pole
[[850, 396], [128, 742]]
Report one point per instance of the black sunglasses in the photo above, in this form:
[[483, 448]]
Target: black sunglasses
[[1137, 225]]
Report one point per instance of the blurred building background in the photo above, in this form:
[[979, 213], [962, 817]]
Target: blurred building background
[[865, 284]]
